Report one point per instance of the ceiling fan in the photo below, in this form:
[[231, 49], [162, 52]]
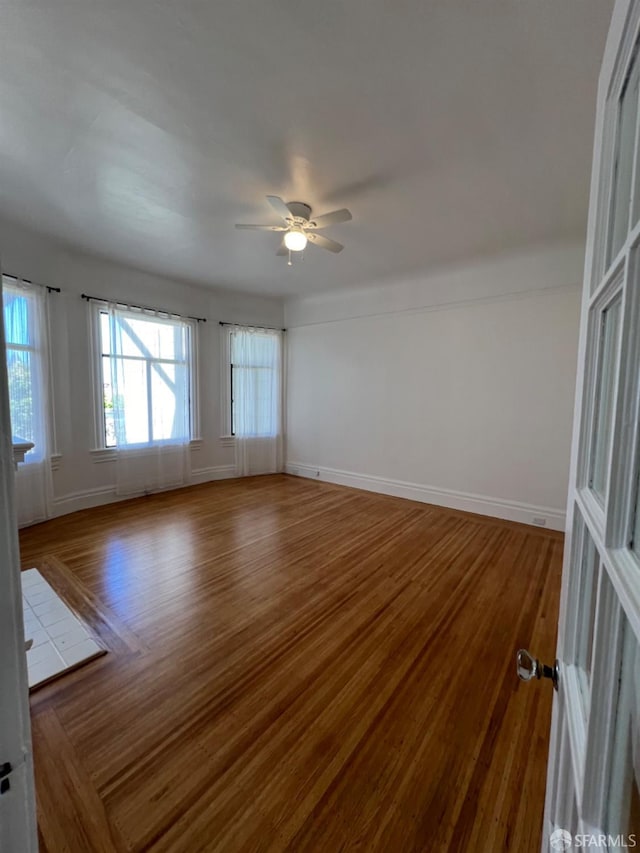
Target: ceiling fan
[[300, 228]]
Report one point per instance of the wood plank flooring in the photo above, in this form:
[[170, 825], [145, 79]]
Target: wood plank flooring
[[295, 666]]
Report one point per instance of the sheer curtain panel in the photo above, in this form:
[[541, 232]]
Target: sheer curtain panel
[[27, 355], [256, 399]]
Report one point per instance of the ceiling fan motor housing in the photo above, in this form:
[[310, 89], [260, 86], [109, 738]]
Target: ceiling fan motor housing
[[299, 210]]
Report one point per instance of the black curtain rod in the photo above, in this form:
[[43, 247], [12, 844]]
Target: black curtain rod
[[26, 281], [252, 326], [142, 307]]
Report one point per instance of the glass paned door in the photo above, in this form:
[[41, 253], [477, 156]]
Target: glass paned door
[[596, 716]]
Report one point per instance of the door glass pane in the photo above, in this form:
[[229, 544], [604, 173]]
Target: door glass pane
[[623, 164], [605, 392], [635, 529], [635, 84], [623, 813], [587, 607], [633, 537], [581, 607], [564, 798]]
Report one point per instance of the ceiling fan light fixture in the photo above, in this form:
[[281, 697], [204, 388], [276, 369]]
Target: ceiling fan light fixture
[[295, 240], [298, 229]]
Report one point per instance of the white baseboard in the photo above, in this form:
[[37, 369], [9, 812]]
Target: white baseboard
[[216, 472], [483, 504], [88, 498], [84, 499]]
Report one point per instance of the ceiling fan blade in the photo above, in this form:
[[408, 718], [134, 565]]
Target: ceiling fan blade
[[261, 227], [280, 207], [325, 243], [342, 215]]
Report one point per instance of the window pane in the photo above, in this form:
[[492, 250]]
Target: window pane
[[254, 402], [21, 403], [255, 382], [105, 336], [605, 390], [149, 338], [169, 401], [623, 165], [107, 402], [146, 378], [16, 318], [252, 349], [23, 358], [129, 380]]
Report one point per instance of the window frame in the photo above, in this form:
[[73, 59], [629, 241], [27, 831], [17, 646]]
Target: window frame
[[104, 450]]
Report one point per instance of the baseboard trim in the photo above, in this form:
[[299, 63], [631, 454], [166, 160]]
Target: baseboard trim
[[215, 472], [481, 504], [83, 499], [89, 498]]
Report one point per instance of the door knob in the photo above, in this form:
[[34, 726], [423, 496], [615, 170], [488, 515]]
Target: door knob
[[529, 668]]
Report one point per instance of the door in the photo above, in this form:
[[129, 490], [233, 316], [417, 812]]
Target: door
[[593, 780], [17, 800]]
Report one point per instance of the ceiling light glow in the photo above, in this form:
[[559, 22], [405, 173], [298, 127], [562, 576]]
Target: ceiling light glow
[[295, 240]]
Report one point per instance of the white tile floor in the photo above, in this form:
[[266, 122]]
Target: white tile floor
[[60, 640]]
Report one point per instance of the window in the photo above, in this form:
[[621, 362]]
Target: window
[[22, 313], [255, 386], [146, 375]]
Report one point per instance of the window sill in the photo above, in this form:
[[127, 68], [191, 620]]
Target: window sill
[[20, 449]]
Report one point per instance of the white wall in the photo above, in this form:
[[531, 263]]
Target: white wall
[[79, 479], [456, 389]]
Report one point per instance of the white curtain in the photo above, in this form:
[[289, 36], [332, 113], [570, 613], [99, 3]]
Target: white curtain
[[147, 375], [256, 359], [27, 353]]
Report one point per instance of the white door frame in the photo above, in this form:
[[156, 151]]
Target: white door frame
[[18, 825]]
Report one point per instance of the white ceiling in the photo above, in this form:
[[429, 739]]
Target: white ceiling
[[144, 130]]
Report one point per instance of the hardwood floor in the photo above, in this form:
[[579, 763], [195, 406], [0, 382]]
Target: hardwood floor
[[295, 666]]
